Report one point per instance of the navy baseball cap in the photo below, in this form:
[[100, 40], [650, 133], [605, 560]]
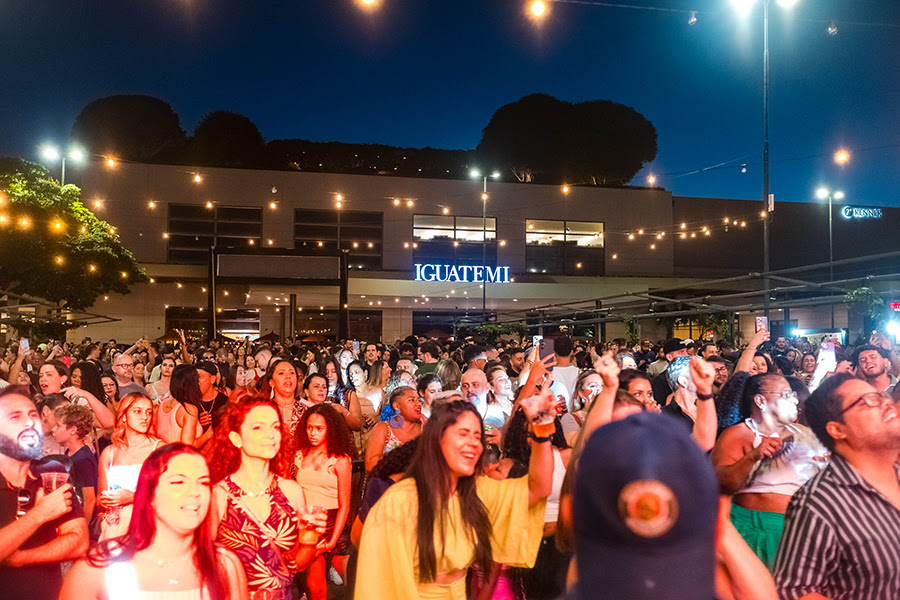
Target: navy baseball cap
[[645, 513]]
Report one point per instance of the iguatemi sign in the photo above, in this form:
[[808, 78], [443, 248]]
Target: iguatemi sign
[[856, 212], [462, 274]]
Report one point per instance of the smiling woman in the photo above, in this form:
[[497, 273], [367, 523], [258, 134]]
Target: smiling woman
[[170, 535]]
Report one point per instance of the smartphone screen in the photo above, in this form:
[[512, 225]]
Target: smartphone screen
[[23, 344], [762, 323], [355, 345], [825, 364], [535, 339]]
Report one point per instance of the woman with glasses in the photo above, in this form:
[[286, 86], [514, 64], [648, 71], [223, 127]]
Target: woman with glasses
[[763, 460]]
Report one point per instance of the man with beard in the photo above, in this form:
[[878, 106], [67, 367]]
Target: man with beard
[[842, 528], [37, 531], [721, 368], [872, 364], [474, 386]]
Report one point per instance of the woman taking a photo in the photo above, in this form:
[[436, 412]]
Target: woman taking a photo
[[324, 471], [168, 550], [256, 508], [344, 399], [120, 463], [110, 391], [404, 426], [463, 518]]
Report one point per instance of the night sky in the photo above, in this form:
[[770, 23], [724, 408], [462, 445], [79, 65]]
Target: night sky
[[432, 72]]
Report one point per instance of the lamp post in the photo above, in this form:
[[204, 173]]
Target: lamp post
[[50, 152], [476, 174], [832, 195], [743, 7]]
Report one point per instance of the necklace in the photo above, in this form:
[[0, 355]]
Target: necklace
[[174, 577], [267, 490]]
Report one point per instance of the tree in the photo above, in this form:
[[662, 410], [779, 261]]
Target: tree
[[540, 138], [52, 246], [227, 139], [130, 127]]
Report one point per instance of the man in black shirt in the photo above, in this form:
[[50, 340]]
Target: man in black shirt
[[37, 531], [212, 401]]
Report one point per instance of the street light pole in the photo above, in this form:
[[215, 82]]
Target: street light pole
[[484, 197], [832, 195], [766, 155]]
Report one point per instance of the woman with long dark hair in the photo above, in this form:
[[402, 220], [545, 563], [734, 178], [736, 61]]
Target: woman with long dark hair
[[324, 472], [87, 389], [463, 518], [160, 390], [257, 508], [168, 550], [280, 385], [342, 396], [120, 463], [177, 417]]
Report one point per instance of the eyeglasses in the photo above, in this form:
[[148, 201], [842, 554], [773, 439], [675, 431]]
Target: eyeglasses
[[872, 400], [24, 496], [785, 395], [128, 364]]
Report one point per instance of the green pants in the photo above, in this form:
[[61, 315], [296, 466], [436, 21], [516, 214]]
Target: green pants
[[761, 530]]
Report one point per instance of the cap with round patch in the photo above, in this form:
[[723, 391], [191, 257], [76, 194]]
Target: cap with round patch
[[648, 508]]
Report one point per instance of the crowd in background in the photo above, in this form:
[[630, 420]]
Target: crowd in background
[[276, 469]]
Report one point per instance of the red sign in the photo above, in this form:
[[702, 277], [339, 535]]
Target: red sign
[[895, 305]]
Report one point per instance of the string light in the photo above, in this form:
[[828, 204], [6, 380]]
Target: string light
[[198, 178], [110, 162], [565, 189], [396, 201], [209, 204], [151, 204], [92, 268]]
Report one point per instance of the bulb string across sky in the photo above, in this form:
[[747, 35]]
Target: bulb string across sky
[[415, 74]]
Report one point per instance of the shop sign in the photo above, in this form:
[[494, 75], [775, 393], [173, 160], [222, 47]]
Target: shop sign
[[856, 212], [461, 273]]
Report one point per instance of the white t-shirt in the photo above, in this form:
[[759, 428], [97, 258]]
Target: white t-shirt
[[566, 376]]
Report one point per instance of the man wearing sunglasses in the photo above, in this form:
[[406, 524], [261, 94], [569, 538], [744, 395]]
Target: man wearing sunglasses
[[37, 531], [842, 529]]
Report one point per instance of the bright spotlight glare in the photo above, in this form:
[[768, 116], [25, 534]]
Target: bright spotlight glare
[[475, 173], [538, 8], [50, 153], [893, 328], [787, 3], [495, 174], [839, 195], [743, 7], [76, 154], [822, 193]]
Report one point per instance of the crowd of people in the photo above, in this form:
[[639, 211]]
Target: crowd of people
[[519, 469]]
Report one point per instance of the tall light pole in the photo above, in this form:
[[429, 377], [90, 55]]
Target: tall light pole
[[476, 174], [832, 195], [50, 152], [743, 7]]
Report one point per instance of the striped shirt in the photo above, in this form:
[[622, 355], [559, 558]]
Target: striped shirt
[[841, 539]]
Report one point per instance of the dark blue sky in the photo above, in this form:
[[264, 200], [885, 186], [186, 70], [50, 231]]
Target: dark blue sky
[[432, 72]]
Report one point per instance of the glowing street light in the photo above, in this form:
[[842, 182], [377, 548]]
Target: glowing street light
[[651, 179], [538, 9], [52, 153], [842, 157]]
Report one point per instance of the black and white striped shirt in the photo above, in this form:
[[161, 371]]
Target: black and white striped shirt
[[841, 539]]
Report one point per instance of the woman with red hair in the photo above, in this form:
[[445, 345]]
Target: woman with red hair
[[168, 550], [257, 509]]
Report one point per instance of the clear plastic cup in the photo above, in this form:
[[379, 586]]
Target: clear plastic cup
[[53, 481], [312, 520]]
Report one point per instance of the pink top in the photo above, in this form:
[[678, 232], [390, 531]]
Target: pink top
[[320, 486], [167, 428]]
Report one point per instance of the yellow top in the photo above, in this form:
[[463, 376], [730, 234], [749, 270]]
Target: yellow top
[[388, 556]]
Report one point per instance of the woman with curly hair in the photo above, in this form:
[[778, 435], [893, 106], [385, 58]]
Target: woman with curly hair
[[170, 535], [257, 510], [323, 472]]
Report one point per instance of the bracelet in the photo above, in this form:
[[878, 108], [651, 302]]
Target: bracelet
[[704, 396], [539, 439]]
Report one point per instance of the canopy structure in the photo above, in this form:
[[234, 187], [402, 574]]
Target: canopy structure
[[16, 308]]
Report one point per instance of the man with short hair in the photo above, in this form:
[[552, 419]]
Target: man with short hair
[[212, 401], [474, 357], [708, 349], [37, 531], [123, 368], [721, 368], [474, 386], [429, 353], [564, 371], [407, 365], [781, 346], [645, 354], [407, 350], [841, 535], [516, 362], [872, 365], [370, 355]]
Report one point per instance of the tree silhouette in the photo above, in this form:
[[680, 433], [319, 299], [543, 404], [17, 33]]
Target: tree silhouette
[[227, 139], [540, 138], [49, 241], [129, 127]]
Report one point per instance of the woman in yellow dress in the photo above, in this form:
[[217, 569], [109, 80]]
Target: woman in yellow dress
[[467, 518]]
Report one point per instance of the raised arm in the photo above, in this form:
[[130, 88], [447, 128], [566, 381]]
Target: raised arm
[[540, 410], [706, 425], [746, 360], [105, 417], [600, 412]]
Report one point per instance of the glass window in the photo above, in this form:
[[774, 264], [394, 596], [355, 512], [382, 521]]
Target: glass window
[[193, 228], [564, 247], [442, 239], [316, 231]]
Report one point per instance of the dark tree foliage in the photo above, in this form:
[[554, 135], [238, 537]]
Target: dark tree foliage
[[545, 140], [49, 241], [368, 159], [130, 127], [227, 139]]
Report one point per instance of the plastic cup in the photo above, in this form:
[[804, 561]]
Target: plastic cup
[[53, 481], [314, 515]]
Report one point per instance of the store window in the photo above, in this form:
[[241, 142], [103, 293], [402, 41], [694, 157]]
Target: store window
[[443, 239], [564, 247], [321, 231], [193, 228]]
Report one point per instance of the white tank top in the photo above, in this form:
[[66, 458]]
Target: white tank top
[[801, 457], [122, 584], [551, 512]]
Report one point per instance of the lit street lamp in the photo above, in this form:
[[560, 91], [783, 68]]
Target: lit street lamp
[[743, 7], [476, 174], [50, 152], [822, 193]]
